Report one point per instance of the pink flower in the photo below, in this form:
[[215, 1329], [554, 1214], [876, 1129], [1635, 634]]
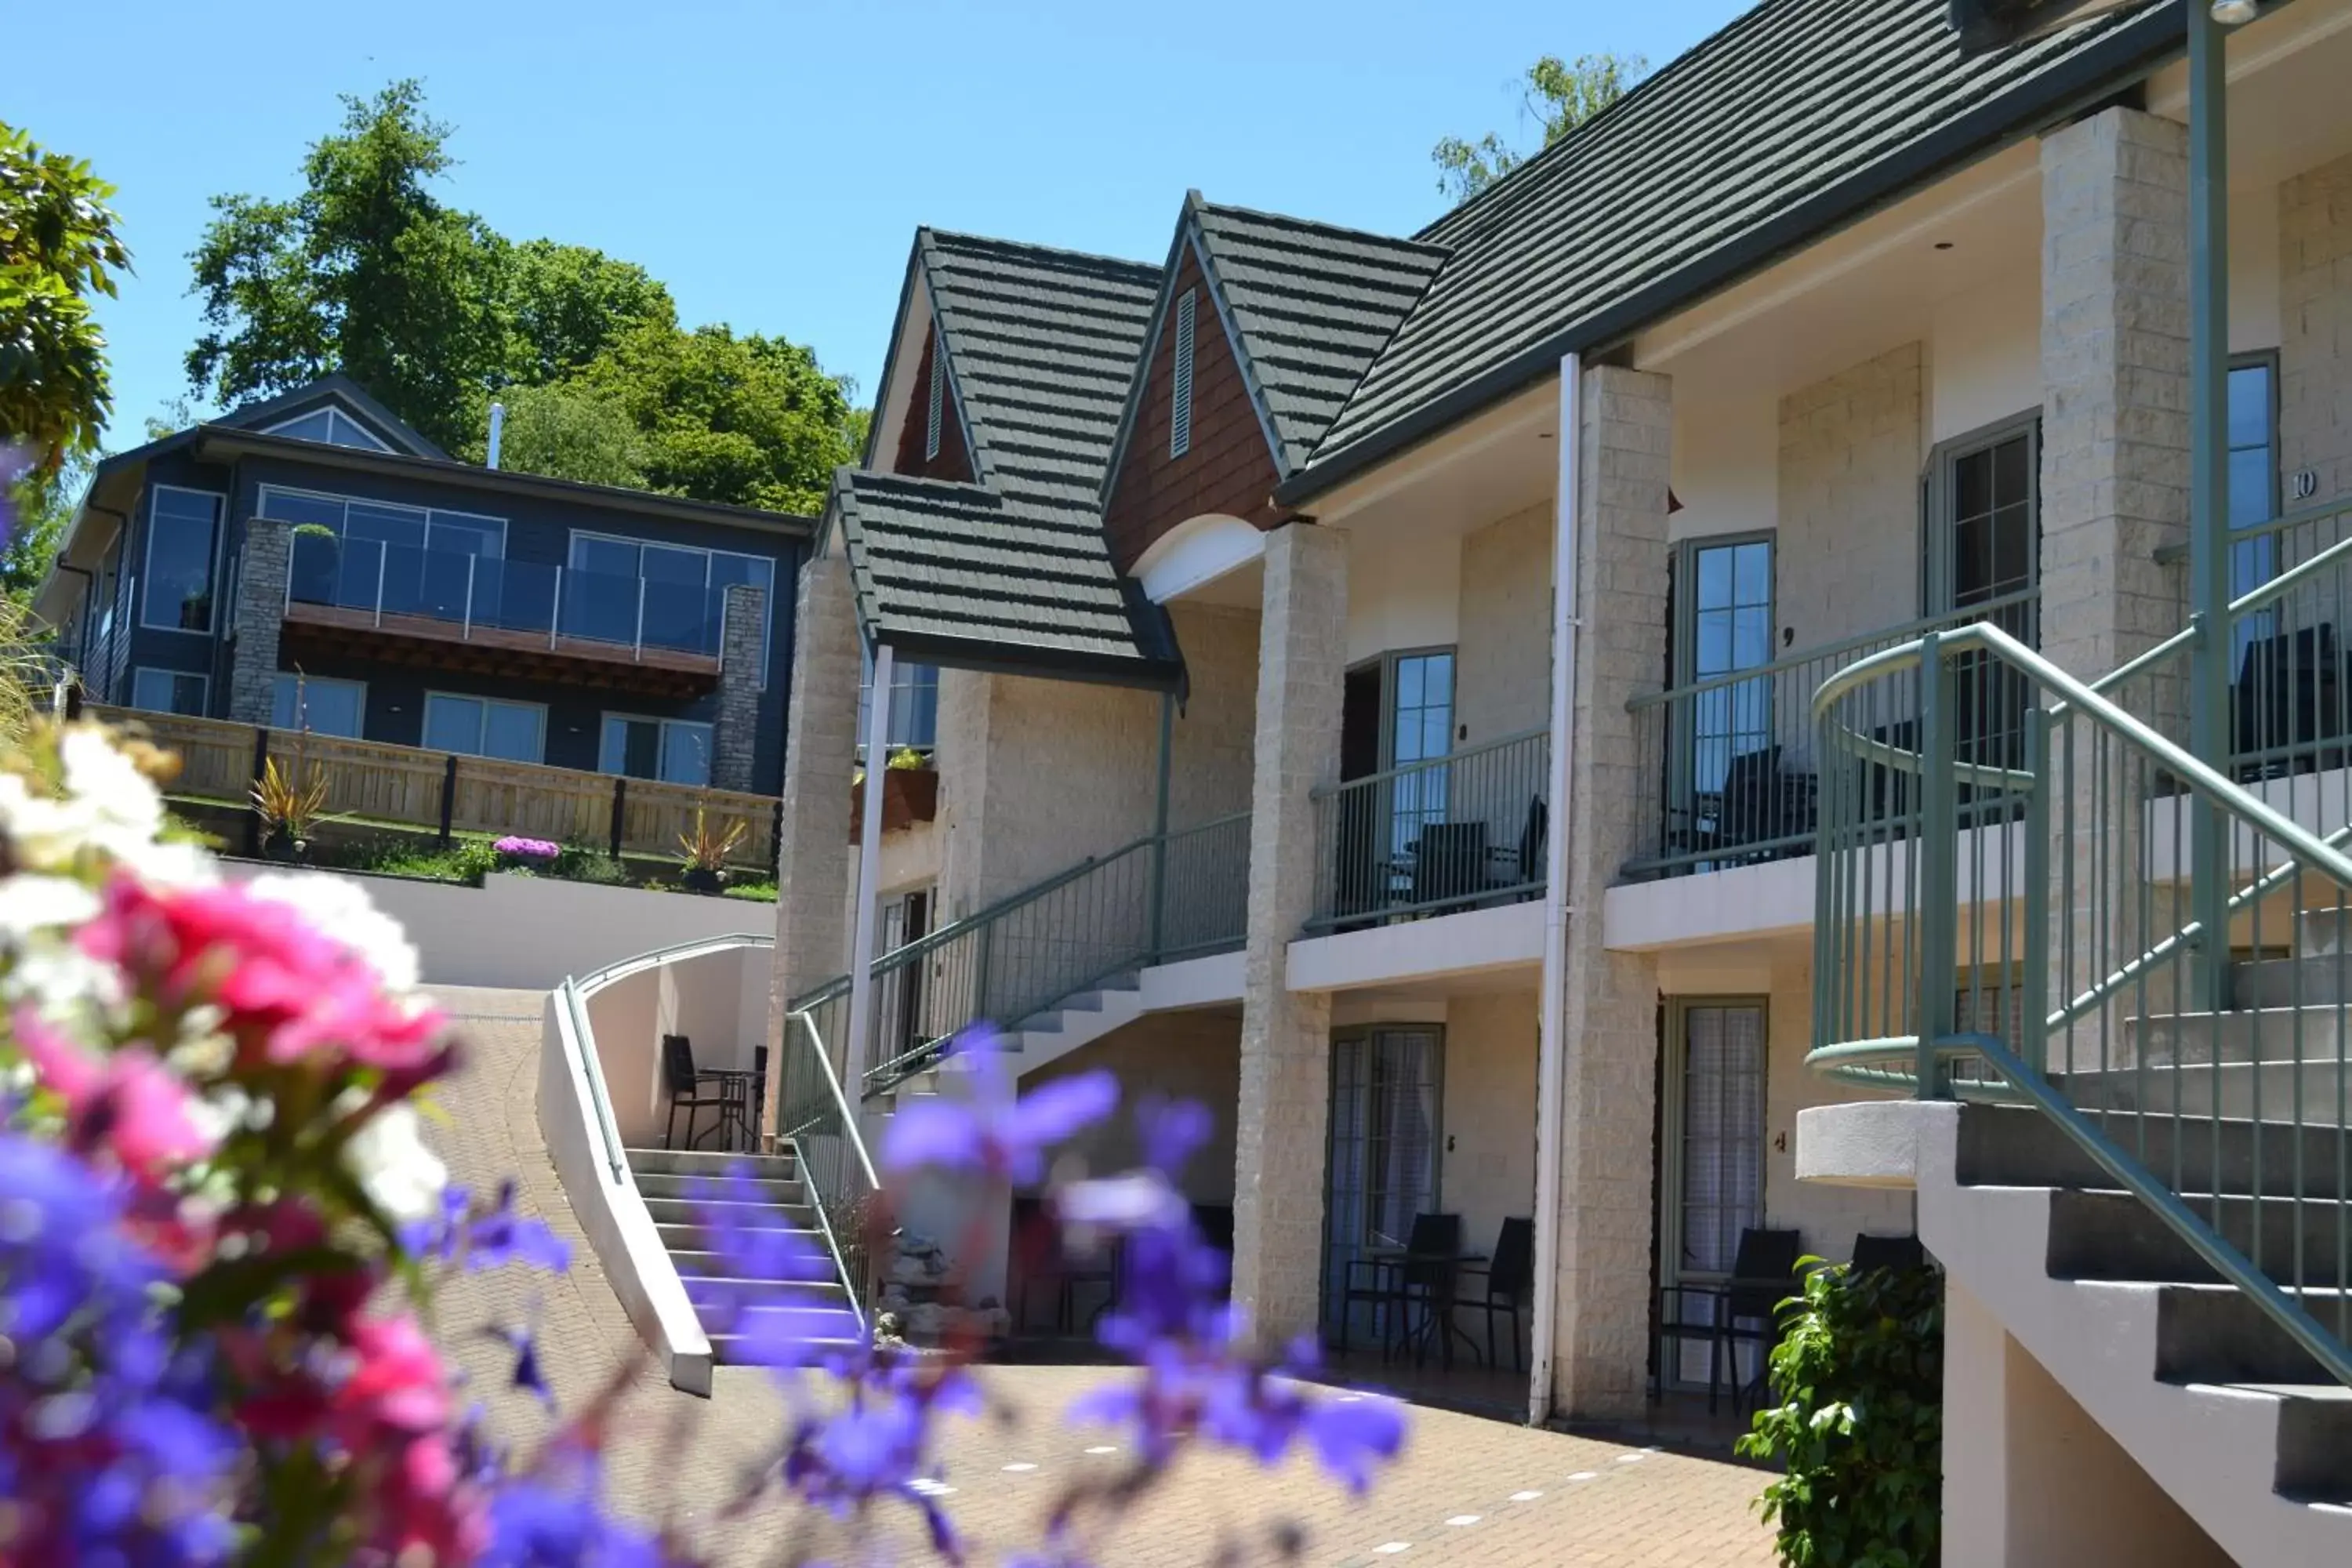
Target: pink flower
[[128, 1103], [392, 1415], [290, 991]]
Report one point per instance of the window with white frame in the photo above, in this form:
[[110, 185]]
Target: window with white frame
[[183, 537], [1180, 414], [674, 750], [331, 426], [170, 691], [607, 602], [322, 707], [485, 727], [914, 705], [403, 527]]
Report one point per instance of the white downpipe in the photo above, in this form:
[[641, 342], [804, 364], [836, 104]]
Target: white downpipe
[[854, 1055], [498, 430], [1551, 1058]]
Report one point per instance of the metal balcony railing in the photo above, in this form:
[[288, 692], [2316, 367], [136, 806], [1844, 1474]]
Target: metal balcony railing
[[1730, 775], [474, 594], [1456, 832]]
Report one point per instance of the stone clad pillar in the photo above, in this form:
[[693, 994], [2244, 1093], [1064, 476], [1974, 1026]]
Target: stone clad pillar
[[1286, 1035], [813, 830], [735, 732], [1608, 1206], [2115, 471], [261, 581]]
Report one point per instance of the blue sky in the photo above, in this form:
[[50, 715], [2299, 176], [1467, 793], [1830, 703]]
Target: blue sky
[[769, 162]]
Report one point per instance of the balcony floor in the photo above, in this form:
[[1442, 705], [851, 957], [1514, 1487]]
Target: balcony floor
[[428, 642]]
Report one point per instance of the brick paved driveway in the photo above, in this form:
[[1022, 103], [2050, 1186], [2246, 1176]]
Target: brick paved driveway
[[1468, 1490]]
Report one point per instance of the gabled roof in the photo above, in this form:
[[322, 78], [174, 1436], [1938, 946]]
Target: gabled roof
[[963, 575], [1798, 118], [338, 388], [1313, 305], [1040, 343], [1012, 572]]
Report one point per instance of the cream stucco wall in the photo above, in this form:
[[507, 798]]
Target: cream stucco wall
[[1404, 590], [1487, 1169], [1502, 677]]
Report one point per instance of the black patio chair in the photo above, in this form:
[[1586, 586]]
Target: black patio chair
[[1515, 868], [1420, 1276], [687, 1083], [1502, 1280], [1449, 863], [1742, 1309], [1872, 1253]]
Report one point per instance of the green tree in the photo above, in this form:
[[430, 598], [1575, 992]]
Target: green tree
[[572, 431], [57, 248], [1560, 96], [749, 420], [366, 271], [568, 304], [44, 504]]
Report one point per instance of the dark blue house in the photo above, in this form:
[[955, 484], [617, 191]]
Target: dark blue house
[[312, 561]]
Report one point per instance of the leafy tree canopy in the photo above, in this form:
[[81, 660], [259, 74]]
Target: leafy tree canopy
[[58, 247], [1560, 96], [369, 271]]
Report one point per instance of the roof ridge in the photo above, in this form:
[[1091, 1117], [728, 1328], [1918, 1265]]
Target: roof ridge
[[1054, 252], [1321, 226]]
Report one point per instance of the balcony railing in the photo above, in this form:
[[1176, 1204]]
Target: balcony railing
[[1457, 831], [509, 603], [1728, 776]]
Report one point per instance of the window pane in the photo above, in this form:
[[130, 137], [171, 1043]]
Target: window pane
[[1753, 564], [2250, 406], [915, 706], [399, 525], [1972, 484], [686, 754], [667, 563], [615, 557], [466, 535], [168, 692], [1714, 578], [324, 511], [453, 724], [180, 561], [316, 426], [325, 707], [511, 731], [2249, 486]]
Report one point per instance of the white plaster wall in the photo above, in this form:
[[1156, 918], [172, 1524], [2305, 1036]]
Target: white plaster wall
[[711, 999], [1726, 461], [1487, 1172], [1216, 730], [1192, 1056], [1404, 590], [1984, 356], [529, 932], [1503, 674], [1848, 557]]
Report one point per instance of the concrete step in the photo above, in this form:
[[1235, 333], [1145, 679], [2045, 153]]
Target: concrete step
[[760, 1189], [710, 1163], [2313, 981], [2017, 1146], [691, 1211], [683, 1234], [2113, 1236], [2218, 1333], [809, 1295], [818, 1328], [2313, 1091], [695, 1262], [2314, 1450], [2247, 1034]]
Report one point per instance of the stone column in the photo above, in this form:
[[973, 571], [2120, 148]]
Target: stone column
[[1286, 1035], [1600, 1328], [735, 734], [260, 615], [813, 831], [2114, 464]]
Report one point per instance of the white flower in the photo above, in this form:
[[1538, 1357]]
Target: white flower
[[342, 911], [388, 1157], [35, 903], [125, 812]]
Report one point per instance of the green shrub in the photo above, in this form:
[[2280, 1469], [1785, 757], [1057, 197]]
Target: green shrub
[[756, 892], [585, 863], [1859, 1377]]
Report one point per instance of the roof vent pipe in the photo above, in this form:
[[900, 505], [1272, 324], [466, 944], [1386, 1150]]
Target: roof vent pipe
[[497, 428]]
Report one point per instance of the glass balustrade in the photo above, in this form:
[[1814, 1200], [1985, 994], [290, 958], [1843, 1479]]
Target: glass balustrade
[[469, 592]]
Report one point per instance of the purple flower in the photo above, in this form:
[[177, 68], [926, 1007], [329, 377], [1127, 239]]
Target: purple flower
[[774, 1288], [520, 848], [995, 1134], [558, 1521], [490, 1238]]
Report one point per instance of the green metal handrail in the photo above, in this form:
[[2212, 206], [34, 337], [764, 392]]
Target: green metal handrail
[[1443, 833], [1902, 894]]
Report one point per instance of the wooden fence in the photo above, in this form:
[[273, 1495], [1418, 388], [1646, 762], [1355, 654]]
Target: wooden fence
[[220, 761]]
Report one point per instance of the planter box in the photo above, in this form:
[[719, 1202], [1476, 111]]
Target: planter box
[[910, 796]]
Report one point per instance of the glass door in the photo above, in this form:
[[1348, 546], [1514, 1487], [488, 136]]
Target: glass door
[[1984, 548], [1381, 1169], [1724, 784], [1712, 1155]]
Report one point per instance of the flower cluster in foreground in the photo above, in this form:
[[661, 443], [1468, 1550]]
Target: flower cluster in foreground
[[221, 1228]]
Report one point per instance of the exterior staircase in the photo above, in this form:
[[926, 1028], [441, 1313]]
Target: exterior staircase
[[669, 1182]]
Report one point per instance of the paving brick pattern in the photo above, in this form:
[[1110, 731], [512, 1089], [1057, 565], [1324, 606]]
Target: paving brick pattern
[[1469, 1490]]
